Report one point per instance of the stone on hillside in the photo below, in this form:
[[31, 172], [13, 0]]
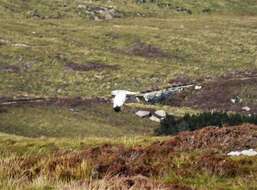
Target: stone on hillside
[[197, 87], [154, 118], [246, 108], [20, 45], [236, 100], [160, 113], [98, 13], [142, 113]]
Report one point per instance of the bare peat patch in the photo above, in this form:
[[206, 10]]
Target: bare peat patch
[[147, 51], [216, 94], [65, 102], [9, 69]]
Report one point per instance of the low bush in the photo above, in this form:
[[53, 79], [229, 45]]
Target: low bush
[[172, 125]]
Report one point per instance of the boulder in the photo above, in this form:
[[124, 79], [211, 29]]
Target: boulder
[[236, 100], [246, 108], [198, 87], [142, 113], [98, 13], [160, 113], [154, 118]]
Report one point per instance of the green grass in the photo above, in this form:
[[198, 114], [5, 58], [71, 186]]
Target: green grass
[[95, 121], [13, 145], [199, 45]]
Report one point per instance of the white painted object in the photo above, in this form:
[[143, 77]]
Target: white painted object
[[120, 97], [249, 152]]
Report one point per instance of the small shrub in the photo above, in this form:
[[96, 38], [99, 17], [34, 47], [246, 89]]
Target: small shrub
[[171, 125]]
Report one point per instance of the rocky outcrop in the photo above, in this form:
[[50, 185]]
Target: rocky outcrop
[[98, 13]]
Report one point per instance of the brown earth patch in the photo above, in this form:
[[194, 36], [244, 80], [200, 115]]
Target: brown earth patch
[[216, 94], [147, 51], [9, 69], [91, 66], [68, 102], [116, 160]]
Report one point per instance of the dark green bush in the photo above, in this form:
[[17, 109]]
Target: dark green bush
[[171, 125]]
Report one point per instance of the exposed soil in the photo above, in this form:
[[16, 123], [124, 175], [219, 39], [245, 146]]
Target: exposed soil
[[9, 69], [70, 102], [92, 66], [216, 94], [147, 51], [116, 160]]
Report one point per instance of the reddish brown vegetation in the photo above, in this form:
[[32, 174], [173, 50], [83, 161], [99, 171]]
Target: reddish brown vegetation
[[116, 160], [217, 164], [226, 138], [125, 183]]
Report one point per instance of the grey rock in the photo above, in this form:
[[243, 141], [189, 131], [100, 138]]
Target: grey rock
[[98, 13], [236, 100], [142, 113], [246, 108], [160, 113], [198, 87], [154, 118]]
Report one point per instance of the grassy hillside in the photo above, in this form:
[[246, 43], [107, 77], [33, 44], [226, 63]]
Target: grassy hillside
[[79, 48], [195, 160], [39, 54], [81, 121]]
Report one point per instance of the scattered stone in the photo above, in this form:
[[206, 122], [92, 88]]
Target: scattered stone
[[246, 108], [98, 13], [183, 10], [4, 42], [160, 113], [42, 137], [154, 118], [206, 10], [198, 87], [20, 45], [236, 100], [143, 114]]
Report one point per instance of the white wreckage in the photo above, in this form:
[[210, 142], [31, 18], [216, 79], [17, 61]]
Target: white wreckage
[[249, 152], [120, 96]]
